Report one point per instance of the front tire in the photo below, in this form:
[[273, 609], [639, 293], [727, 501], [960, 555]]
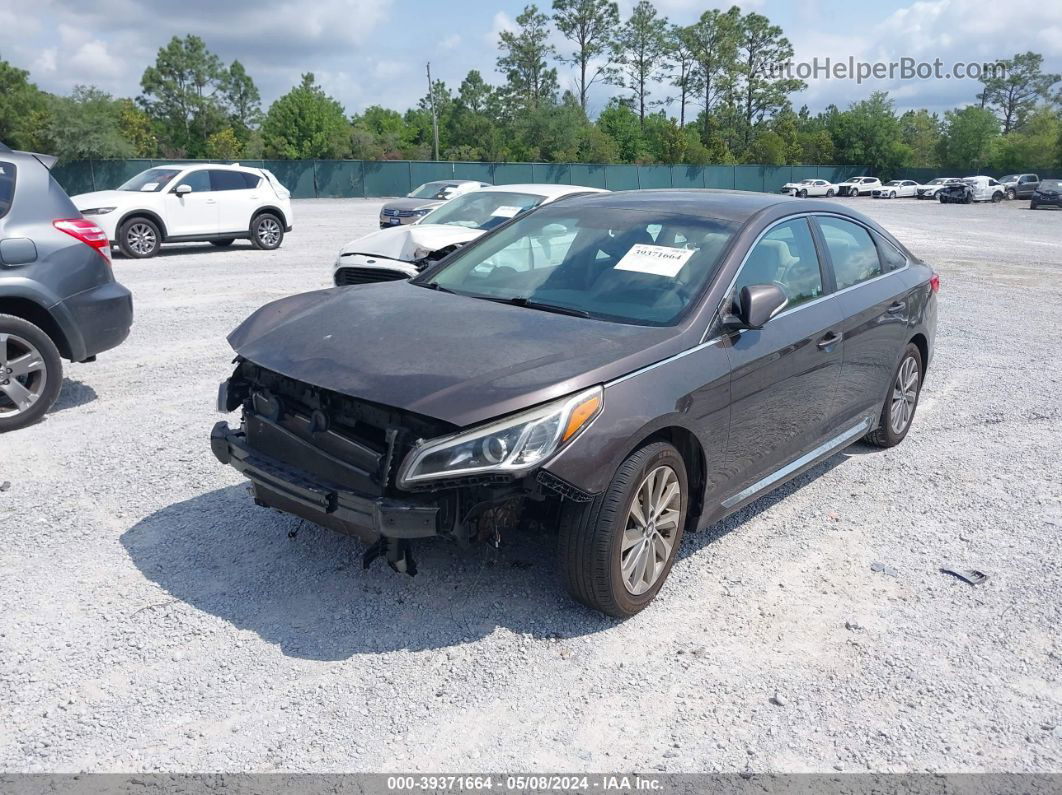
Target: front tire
[[616, 551], [267, 232], [1012, 194], [31, 373], [803, 194], [897, 414], [139, 238], [997, 197], [829, 193], [1034, 206], [941, 199]]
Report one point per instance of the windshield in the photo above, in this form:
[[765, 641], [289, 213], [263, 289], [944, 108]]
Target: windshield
[[937, 181], [627, 265], [150, 181], [1009, 178], [1051, 184], [482, 209], [433, 190], [894, 182]]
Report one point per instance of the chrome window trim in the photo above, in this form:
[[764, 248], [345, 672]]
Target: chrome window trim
[[798, 307], [766, 482]]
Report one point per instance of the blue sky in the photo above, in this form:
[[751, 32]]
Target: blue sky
[[368, 52]]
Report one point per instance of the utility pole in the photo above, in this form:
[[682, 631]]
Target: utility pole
[[434, 115]]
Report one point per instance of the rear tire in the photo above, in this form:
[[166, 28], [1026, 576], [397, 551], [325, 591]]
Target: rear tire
[[225, 241], [267, 232], [898, 411], [829, 193], [32, 373], [139, 238], [610, 559]]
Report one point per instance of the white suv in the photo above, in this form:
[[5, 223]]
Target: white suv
[[182, 203]]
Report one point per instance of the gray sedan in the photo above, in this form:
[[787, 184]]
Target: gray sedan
[[620, 368]]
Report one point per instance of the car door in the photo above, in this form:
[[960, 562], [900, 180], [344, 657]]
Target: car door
[[871, 297], [193, 214], [784, 376], [1027, 185], [237, 194]]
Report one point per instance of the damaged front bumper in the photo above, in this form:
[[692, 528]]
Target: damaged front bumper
[[277, 485]]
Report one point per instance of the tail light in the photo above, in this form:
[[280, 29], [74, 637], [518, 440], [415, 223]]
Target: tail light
[[88, 233], [934, 282]]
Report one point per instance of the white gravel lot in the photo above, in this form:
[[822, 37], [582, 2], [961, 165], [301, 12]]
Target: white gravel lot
[[152, 618]]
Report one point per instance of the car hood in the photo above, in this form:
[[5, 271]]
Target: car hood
[[412, 204], [101, 198], [410, 242], [453, 358]]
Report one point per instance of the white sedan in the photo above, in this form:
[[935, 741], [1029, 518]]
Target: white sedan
[[897, 188], [810, 187], [401, 252]]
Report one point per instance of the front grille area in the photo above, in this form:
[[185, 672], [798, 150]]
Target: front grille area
[[351, 275], [345, 442], [396, 213]]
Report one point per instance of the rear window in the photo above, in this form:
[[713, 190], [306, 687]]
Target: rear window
[[7, 187], [233, 180]]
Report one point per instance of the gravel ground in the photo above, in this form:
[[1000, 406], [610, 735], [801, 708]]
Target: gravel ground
[[154, 619]]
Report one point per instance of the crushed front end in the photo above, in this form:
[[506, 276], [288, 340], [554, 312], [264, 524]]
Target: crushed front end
[[334, 460]]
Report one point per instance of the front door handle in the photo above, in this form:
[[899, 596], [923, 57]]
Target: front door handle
[[897, 306], [828, 340]]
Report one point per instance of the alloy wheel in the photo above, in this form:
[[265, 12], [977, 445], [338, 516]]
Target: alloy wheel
[[650, 530], [141, 239], [23, 375], [904, 395], [268, 232]]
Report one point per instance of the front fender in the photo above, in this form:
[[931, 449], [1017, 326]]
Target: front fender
[[690, 390]]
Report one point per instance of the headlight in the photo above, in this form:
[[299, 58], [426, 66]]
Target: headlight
[[98, 211], [514, 445], [423, 211]]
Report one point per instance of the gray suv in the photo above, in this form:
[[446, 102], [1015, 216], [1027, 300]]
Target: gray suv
[[58, 296]]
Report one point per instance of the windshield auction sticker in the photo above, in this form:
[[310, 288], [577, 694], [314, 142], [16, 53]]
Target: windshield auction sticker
[[506, 211], [658, 260]]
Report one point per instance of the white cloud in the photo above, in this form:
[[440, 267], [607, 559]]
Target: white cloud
[[92, 62], [501, 21], [450, 42], [45, 62]]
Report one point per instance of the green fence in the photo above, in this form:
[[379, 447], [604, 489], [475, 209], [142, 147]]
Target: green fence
[[308, 179]]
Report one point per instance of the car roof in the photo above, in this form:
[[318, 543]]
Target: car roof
[[728, 205], [550, 191], [217, 166]]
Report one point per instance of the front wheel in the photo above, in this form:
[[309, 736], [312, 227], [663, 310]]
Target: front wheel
[[1011, 193], [997, 197], [899, 409], [267, 232], [892, 194], [139, 238], [829, 193], [31, 373], [803, 194], [1034, 206], [616, 551], [941, 199]]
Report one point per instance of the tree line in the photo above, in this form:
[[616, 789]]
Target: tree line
[[697, 94]]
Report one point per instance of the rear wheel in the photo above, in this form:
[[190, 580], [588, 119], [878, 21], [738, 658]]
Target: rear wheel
[[616, 551], [267, 232], [139, 238], [225, 241], [31, 373], [899, 409], [829, 193]]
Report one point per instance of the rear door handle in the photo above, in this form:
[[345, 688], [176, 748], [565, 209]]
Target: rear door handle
[[829, 339], [897, 306]]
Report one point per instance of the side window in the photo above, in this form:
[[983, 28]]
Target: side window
[[891, 257], [198, 181], [7, 187], [854, 255], [251, 180], [228, 180], [785, 255]]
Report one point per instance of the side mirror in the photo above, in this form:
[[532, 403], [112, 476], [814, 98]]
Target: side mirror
[[755, 304], [183, 188]]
